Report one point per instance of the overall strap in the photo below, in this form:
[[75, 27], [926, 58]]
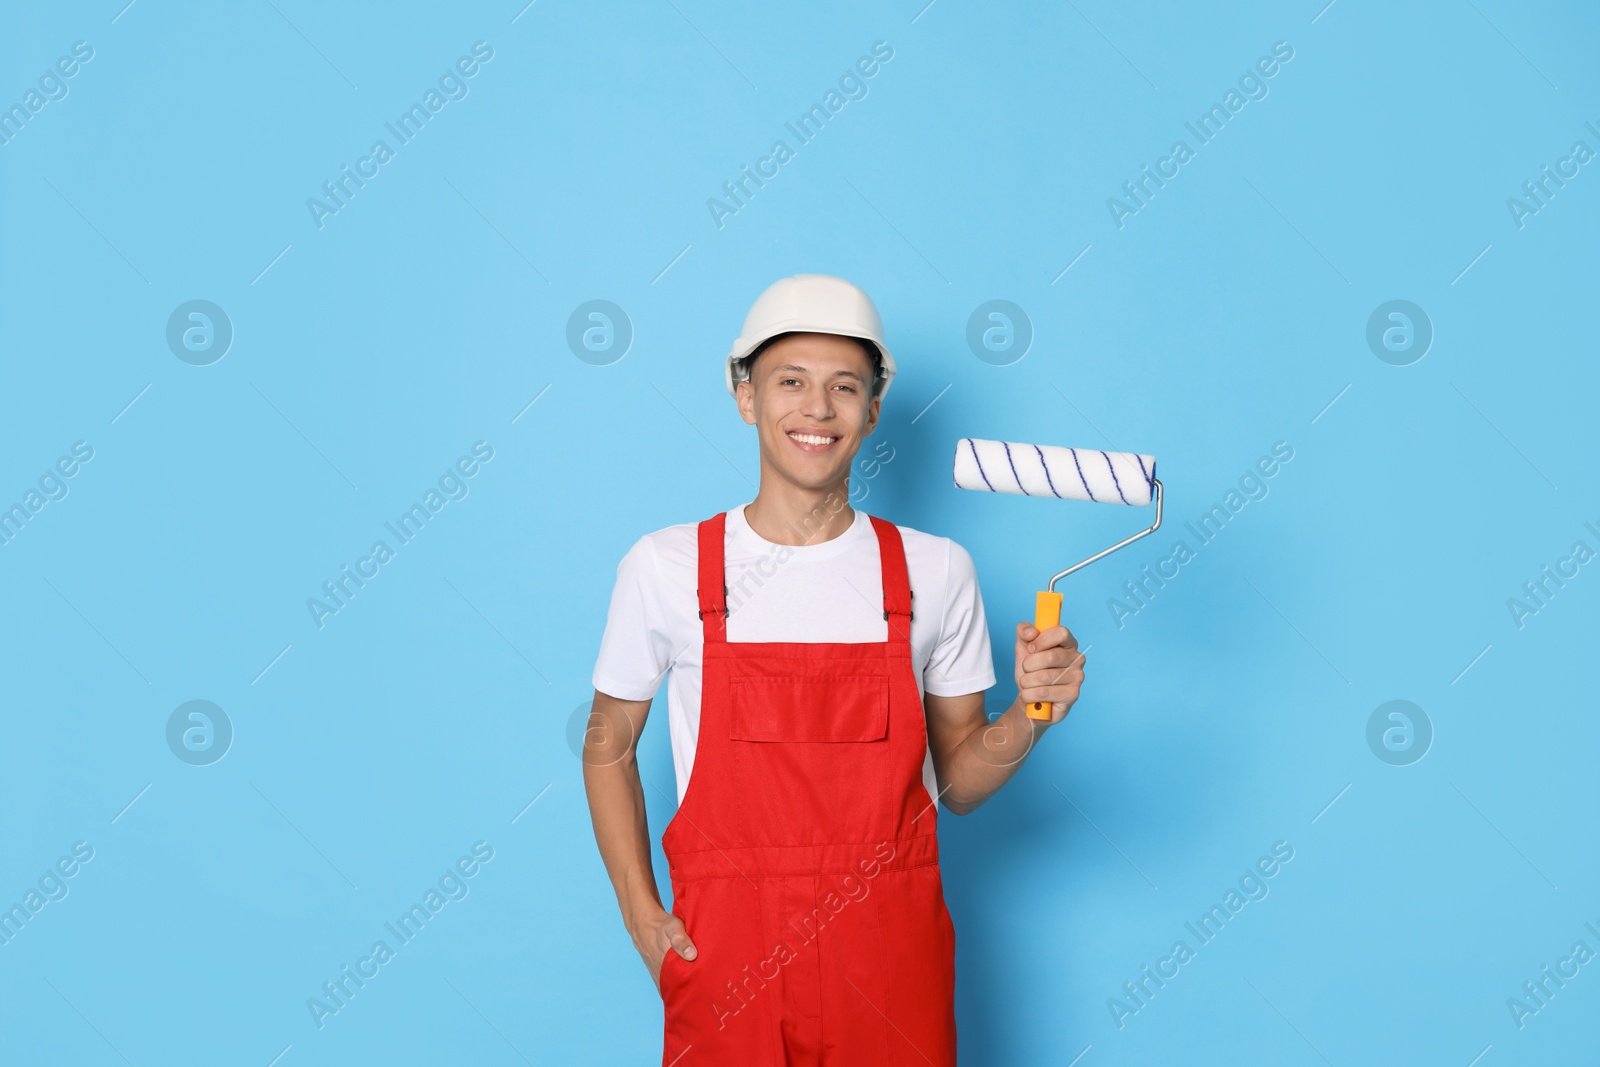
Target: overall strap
[[713, 588], [896, 581]]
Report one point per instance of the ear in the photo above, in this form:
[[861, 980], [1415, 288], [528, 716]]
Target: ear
[[745, 395], [874, 410]]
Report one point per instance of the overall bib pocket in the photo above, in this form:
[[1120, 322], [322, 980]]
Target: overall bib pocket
[[810, 709]]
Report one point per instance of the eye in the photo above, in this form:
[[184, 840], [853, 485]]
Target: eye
[[788, 381]]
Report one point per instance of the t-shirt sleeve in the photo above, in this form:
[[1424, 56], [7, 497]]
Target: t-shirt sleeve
[[636, 650], [960, 663]]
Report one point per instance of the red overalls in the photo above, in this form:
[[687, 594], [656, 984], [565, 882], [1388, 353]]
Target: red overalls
[[803, 857]]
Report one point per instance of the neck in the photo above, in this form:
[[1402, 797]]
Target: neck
[[788, 514]]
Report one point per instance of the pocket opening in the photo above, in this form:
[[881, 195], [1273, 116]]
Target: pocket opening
[[810, 710]]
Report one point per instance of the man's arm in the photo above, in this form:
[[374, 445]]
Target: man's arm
[[616, 806], [973, 757]]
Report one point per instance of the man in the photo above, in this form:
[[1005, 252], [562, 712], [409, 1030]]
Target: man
[[825, 673]]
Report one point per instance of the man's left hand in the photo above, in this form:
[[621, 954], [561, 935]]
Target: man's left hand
[[1049, 668]]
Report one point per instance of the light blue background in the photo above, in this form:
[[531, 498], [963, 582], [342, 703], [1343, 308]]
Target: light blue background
[[426, 315]]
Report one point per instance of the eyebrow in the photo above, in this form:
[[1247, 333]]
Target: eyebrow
[[803, 370]]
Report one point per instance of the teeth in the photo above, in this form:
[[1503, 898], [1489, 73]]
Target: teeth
[[812, 439]]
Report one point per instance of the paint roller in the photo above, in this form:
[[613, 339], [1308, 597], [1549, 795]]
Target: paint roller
[[1065, 474]]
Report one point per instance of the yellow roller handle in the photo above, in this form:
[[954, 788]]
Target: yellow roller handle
[[1046, 613]]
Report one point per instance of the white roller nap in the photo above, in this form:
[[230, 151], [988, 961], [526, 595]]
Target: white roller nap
[[1050, 470]]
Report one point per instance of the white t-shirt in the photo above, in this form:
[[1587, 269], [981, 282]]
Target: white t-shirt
[[826, 592]]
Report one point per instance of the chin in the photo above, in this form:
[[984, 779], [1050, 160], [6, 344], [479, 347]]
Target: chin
[[816, 482], [813, 476]]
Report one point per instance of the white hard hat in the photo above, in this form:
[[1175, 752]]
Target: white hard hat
[[809, 303]]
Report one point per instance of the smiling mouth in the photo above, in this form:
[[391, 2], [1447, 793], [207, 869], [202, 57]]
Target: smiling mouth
[[813, 442]]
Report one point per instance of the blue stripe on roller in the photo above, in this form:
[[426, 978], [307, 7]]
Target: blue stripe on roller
[[974, 446], [1149, 478], [1047, 479], [1114, 481], [1081, 478], [1014, 473]]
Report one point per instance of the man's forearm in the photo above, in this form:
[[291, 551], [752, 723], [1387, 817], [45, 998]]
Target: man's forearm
[[981, 756], [987, 757], [616, 806]]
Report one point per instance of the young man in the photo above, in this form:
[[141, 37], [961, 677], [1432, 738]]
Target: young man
[[825, 673]]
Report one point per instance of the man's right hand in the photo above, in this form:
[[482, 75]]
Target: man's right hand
[[656, 936]]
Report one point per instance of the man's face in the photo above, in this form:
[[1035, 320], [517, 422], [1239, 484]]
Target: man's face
[[810, 399]]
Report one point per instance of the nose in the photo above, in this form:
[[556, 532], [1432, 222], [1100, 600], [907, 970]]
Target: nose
[[818, 403]]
